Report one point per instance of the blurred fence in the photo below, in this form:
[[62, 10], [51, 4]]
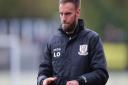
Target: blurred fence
[[20, 48], [33, 32]]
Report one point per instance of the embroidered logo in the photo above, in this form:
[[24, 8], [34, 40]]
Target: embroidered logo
[[83, 50]]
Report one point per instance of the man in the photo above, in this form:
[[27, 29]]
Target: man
[[74, 56]]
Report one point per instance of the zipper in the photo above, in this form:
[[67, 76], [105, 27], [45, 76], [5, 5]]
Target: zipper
[[70, 38]]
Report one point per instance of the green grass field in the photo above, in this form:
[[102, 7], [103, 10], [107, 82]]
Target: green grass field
[[116, 55]]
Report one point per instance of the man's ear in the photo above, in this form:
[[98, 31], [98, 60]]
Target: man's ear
[[78, 12]]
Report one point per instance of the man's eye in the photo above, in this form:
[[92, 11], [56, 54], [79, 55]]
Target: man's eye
[[61, 13], [68, 14]]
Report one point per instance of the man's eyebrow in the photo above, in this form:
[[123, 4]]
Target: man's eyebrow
[[68, 13]]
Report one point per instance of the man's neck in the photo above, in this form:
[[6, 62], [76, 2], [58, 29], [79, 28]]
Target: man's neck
[[73, 29]]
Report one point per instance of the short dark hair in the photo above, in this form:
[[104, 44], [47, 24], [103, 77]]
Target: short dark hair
[[75, 2]]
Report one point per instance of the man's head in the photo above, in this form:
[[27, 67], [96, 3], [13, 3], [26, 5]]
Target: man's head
[[69, 13]]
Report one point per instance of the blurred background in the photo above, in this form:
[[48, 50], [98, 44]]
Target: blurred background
[[26, 25]]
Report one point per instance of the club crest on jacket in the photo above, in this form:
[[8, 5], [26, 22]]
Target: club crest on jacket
[[83, 50]]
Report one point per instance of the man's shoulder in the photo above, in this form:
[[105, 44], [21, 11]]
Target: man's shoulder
[[54, 37], [90, 33]]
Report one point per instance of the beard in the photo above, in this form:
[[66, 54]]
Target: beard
[[68, 27]]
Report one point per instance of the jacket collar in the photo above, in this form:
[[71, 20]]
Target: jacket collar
[[79, 27]]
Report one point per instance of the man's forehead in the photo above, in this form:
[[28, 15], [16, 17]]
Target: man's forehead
[[67, 6]]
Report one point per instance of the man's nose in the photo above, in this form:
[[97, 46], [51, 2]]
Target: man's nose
[[64, 18]]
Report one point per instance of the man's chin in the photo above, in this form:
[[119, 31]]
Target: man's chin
[[65, 27]]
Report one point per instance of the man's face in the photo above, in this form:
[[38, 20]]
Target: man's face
[[68, 15]]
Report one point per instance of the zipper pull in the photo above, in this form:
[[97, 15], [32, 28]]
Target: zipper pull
[[70, 38]]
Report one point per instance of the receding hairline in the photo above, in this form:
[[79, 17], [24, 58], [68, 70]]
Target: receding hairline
[[75, 2]]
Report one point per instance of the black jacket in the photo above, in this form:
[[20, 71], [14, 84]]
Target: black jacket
[[78, 57]]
